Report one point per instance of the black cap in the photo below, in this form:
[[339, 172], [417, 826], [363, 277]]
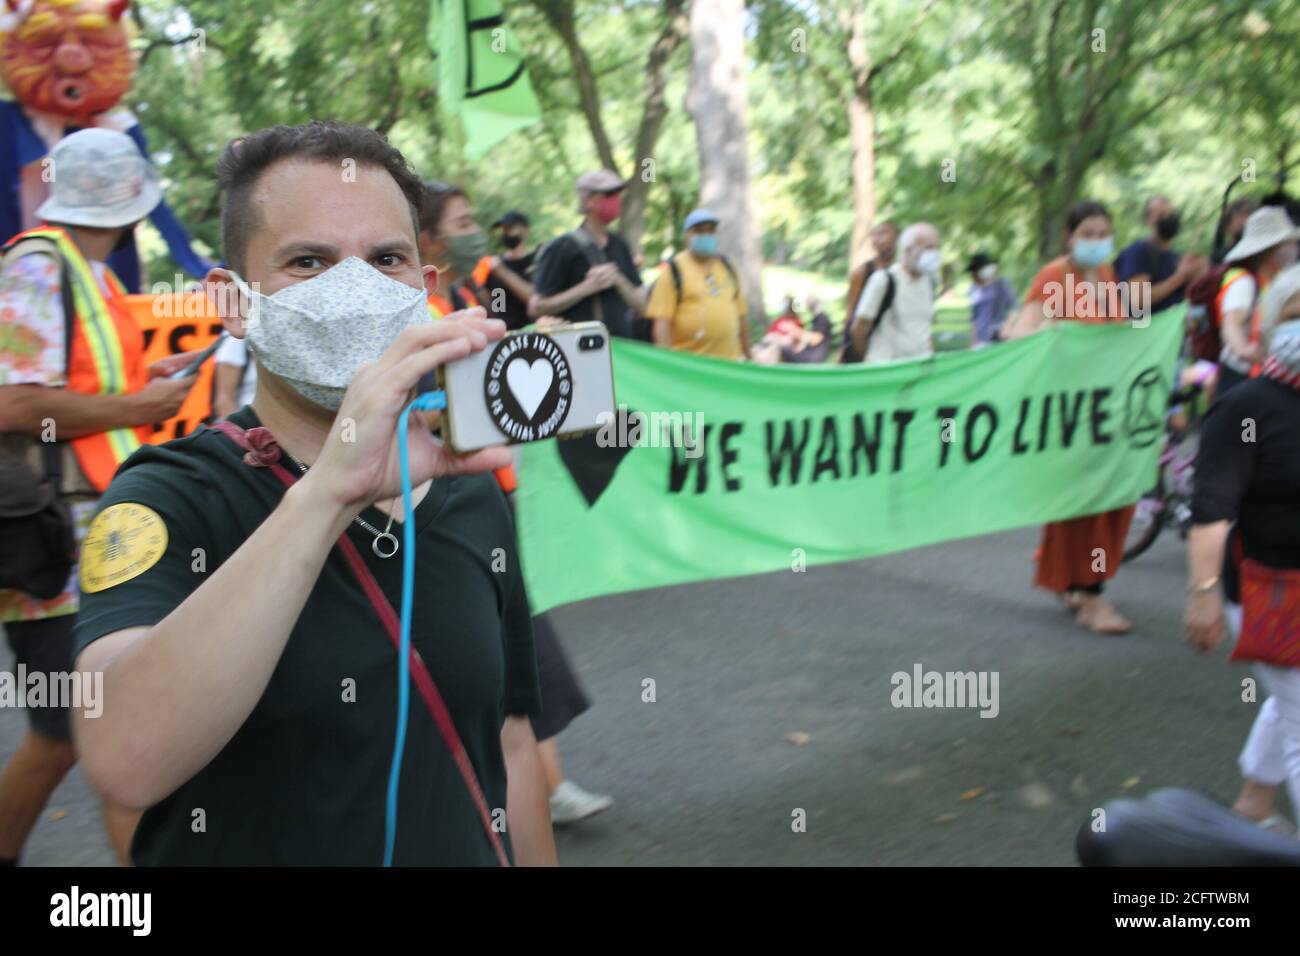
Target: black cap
[[979, 261], [513, 218]]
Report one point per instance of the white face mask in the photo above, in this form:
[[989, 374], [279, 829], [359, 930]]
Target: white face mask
[[988, 273], [928, 261], [315, 334], [1284, 345]]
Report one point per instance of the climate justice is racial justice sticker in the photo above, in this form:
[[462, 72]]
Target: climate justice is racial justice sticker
[[528, 385]]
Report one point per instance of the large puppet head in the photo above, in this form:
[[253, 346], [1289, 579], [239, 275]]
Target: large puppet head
[[68, 57]]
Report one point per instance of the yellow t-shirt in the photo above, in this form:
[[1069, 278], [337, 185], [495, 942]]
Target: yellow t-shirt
[[706, 317]]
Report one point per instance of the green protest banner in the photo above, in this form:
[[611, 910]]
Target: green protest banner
[[481, 73], [714, 469]]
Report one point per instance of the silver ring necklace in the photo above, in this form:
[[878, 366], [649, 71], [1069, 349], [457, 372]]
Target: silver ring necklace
[[390, 543]]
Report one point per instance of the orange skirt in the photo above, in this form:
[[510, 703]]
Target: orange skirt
[[1082, 551]]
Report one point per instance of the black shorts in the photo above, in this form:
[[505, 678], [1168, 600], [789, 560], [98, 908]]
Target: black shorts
[[44, 646], [562, 695]]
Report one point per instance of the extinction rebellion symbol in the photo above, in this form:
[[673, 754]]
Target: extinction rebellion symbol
[[1144, 409], [528, 386]]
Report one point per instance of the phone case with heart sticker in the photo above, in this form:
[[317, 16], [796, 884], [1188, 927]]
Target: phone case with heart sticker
[[530, 386]]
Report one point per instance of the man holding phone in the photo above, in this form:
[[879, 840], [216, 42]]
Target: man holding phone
[[240, 627], [72, 371], [588, 275]]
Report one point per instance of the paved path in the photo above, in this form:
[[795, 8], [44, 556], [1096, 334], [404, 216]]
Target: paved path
[[713, 770]]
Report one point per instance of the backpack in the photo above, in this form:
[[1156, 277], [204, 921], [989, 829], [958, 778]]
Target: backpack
[[849, 354], [38, 545], [676, 273], [638, 328], [677, 277], [1203, 317]]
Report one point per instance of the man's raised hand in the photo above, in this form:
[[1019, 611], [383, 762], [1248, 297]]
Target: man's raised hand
[[359, 462]]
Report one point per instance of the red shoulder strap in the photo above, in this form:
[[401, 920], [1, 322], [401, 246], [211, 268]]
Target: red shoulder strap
[[264, 453]]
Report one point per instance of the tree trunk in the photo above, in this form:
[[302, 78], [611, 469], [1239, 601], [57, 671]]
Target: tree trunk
[[1051, 229], [1058, 189], [559, 14], [717, 102], [862, 140], [632, 222]]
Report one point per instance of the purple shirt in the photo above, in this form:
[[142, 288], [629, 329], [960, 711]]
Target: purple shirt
[[989, 306]]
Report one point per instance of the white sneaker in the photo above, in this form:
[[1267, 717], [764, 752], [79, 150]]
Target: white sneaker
[[570, 803]]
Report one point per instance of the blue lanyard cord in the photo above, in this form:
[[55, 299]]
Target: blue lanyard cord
[[429, 401]]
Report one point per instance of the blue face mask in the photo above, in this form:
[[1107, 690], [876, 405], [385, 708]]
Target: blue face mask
[[705, 244], [1092, 252]]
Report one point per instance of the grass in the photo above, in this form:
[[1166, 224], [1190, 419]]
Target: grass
[[951, 317]]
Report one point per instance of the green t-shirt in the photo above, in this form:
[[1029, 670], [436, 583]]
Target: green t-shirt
[[303, 781]]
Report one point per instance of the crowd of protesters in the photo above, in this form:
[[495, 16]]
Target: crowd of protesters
[[1243, 318], [1237, 306]]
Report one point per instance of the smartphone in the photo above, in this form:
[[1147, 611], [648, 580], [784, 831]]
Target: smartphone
[[199, 359], [529, 386]]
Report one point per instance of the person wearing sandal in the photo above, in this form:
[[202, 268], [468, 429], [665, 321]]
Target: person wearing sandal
[[1078, 556]]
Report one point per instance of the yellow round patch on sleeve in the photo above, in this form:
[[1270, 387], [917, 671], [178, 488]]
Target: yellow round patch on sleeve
[[123, 542]]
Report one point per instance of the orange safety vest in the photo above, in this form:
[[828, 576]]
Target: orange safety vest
[[1252, 335], [106, 358], [440, 307]]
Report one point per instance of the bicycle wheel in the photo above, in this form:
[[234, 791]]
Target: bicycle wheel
[[1149, 519]]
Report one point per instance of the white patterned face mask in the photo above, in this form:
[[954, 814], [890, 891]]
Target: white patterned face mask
[[315, 334]]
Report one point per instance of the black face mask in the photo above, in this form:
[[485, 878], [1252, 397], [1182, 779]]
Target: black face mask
[[1167, 227], [124, 239], [511, 242]]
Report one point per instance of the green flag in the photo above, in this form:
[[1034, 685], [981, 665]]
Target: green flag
[[481, 74], [740, 469]]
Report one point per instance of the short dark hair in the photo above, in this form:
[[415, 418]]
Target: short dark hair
[[434, 199], [1083, 209], [245, 160]]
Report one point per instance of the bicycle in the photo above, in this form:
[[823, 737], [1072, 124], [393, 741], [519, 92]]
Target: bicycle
[[1169, 502]]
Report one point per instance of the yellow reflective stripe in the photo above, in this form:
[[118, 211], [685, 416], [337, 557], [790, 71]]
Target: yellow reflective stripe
[[105, 347], [93, 315], [96, 321], [122, 442], [101, 334]]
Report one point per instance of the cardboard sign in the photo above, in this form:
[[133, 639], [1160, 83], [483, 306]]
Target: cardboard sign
[[174, 323]]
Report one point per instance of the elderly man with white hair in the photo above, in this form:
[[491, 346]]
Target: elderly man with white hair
[[894, 317]]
